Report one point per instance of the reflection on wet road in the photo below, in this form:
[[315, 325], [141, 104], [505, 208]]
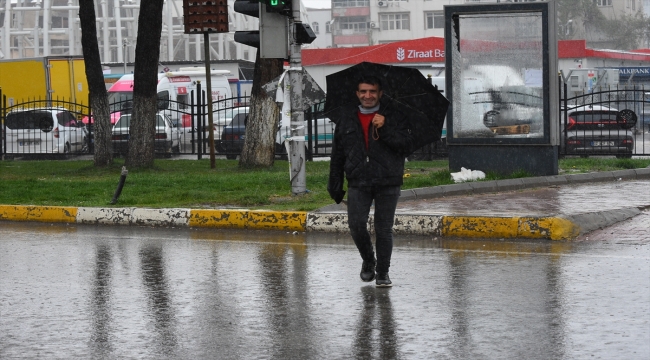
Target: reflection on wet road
[[130, 292]]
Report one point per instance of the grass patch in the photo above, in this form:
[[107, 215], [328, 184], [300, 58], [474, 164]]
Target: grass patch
[[192, 184]]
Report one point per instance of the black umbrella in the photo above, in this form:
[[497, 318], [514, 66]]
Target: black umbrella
[[406, 90]]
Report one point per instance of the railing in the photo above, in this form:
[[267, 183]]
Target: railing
[[350, 3], [612, 121], [72, 132]]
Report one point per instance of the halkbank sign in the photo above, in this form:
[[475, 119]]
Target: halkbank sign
[[638, 73]]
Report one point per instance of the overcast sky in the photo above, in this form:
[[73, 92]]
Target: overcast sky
[[318, 4]]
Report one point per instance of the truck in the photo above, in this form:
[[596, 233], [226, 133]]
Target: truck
[[44, 78]]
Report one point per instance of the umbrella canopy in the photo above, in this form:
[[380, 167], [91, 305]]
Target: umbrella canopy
[[404, 89]]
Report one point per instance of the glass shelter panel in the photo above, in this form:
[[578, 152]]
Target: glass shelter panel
[[498, 63]]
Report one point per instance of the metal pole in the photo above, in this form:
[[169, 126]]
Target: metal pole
[[208, 78], [124, 43], [297, 145]]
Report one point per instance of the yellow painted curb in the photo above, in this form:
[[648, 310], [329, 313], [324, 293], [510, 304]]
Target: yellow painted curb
[[479, 226], [38, 213], [553, 228], [246, 219], [218, 218], [563, 229]]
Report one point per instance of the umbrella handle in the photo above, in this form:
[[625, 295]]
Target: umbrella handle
[[375, 133]]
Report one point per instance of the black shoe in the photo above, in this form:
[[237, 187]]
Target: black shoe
[[367, 271], [383, 280]]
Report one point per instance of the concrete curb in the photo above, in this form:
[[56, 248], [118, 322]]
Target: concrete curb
[[332, 219], [554, 228]]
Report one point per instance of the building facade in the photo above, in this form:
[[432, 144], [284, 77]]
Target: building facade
[[34, 28], [320, 21], [371, 22]]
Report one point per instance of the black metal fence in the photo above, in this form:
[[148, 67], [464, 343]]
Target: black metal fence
[[612, 122], [44, 128]]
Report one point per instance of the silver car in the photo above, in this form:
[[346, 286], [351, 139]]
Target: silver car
[[167, 137], [596, 129]]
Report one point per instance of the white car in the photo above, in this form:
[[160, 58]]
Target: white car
[[167, 138], [45, 131]]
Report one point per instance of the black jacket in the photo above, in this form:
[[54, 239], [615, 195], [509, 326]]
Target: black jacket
[[381, 164]]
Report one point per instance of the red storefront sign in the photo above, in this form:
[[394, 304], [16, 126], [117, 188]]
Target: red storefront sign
[[432, 49], [424, 50]]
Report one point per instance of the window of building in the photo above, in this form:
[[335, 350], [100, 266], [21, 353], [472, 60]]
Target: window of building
[[59, 22], [354, 24], [327, 27], [314, 27], [350, 3], [434, 20], [398, 21], [603, 2]]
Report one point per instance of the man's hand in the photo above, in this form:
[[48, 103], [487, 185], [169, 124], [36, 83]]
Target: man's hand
[[335, 188], [378, 121]]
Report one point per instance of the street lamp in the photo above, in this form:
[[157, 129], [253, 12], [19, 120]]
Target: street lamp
[[125, 43]]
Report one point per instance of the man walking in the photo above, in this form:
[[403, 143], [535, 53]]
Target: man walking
[[369, 147]]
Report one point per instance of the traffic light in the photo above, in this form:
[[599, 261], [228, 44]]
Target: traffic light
[[279, 6], [272, 39]]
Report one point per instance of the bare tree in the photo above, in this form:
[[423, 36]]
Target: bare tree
[[143, 125], [98, 96], [583, 19], [262, 125]]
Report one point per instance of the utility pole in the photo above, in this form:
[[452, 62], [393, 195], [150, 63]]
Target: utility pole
[[297, 146], [206, 17]]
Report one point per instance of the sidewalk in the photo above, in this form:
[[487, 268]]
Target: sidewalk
[[551, 207]]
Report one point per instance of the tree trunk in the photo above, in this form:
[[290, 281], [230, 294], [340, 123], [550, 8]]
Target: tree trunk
[[262, 126], [98, 97], [145, 80]]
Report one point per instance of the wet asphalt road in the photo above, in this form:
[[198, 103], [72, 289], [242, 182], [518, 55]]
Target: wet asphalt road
[[132, 292]]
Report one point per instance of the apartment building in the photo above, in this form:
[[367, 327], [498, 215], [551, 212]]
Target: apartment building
[[320, 21], [371, 22]]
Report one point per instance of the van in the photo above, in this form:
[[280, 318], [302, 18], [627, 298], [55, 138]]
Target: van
[[174, 90], [44, 131]]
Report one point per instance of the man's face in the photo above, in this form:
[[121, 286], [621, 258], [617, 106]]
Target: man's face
[[368, 95]]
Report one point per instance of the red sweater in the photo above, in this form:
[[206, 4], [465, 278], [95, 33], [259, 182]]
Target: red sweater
[[365, 120]]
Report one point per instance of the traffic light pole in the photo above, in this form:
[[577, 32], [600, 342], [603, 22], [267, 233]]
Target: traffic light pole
[[297, 148]]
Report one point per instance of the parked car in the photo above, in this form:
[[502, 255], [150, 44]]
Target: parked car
[[223, 118], [233, 136], [166, 139], [596, 129], [45, 131]]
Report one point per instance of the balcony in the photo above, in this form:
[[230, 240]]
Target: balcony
[[350, 38], [357, 10]]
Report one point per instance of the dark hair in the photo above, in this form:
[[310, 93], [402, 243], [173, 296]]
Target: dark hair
[[370, 80]]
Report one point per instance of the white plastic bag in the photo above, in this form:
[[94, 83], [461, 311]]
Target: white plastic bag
[[467, 175]]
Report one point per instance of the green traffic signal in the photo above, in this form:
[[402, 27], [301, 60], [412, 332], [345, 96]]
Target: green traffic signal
[[280, 6]]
